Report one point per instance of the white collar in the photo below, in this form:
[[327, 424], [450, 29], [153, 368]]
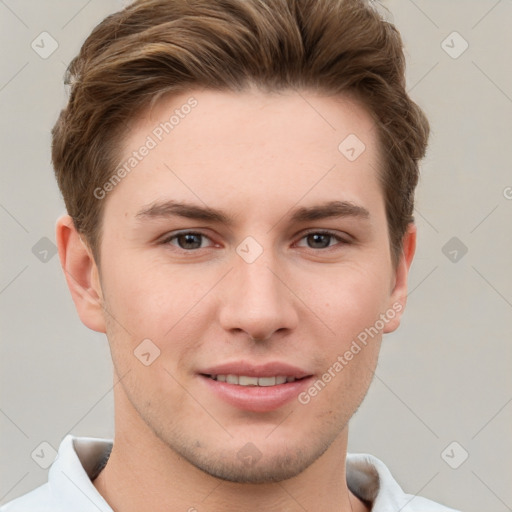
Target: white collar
[[80, 459]]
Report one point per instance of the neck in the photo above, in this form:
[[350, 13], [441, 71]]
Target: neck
[[143, 473]]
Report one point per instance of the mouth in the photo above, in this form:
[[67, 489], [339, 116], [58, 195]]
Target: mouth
[[255, 388], [247, 380]]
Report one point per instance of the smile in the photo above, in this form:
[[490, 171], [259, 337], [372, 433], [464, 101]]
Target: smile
[[245, 380]]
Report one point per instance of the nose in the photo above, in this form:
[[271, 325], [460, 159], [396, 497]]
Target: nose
[[258, 301]]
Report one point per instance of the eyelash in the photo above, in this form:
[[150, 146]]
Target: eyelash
[[175, 236]]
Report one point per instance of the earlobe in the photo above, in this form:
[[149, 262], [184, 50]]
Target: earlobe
[[81, 274], [398, 297]]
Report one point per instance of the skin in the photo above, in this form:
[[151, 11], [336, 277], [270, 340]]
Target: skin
[[257, 158]]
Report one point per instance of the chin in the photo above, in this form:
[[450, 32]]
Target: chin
[[249, 465], [271, 470]]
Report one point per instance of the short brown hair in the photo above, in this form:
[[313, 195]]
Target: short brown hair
[[155, 47]]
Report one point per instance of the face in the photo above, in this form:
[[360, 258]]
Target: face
[[246, 247]]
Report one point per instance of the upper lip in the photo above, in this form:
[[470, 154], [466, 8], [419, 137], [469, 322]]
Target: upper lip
[[269, 369]]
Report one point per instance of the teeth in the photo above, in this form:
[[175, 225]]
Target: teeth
[[267, 381], [247, 381], [244, 380]]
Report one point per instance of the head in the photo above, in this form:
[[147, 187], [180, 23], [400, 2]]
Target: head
[[279, 134]]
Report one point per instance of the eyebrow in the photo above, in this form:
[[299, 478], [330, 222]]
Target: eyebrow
[[331, 209], [190, 211]]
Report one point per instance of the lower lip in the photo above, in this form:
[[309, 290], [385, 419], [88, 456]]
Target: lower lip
[[257, 398]]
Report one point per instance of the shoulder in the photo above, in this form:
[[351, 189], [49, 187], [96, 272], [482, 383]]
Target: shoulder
[[69, 485], [38, 500], [370, 479]]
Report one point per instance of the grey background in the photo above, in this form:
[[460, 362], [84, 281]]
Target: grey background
[[444, 376]]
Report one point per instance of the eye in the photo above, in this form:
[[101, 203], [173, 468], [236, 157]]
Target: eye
[[320, 240], [188, 240]]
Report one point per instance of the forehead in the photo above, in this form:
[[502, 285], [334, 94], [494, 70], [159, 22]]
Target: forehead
[[249, 148]]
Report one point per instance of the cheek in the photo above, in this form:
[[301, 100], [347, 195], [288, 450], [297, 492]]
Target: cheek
[[356, 302], [351, 301], [162, 305], [152, 299]]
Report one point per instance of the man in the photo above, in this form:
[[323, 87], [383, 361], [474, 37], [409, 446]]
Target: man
[[239, 177]]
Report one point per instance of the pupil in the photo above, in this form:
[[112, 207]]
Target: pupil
[[190, 241], [318, 240]]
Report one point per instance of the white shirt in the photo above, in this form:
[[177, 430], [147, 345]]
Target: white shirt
[[80, 459]]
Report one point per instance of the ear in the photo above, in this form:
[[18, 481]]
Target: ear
[[81, 274], [398, 297]]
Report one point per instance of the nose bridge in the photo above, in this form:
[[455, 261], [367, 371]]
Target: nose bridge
[[257, 302], [258, 281]]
